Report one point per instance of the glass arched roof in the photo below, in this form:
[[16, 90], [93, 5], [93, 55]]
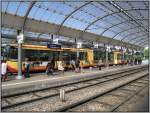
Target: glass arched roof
[[122, 20]]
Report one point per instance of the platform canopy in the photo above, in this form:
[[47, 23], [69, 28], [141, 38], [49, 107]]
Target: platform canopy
[[121, 23]]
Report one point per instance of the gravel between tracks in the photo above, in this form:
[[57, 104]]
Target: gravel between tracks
[[53, 103]]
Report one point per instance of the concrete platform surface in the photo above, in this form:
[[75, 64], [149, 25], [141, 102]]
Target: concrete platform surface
[[43, 81]]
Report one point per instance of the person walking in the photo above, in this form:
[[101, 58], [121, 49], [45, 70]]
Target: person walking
[[4, 71]]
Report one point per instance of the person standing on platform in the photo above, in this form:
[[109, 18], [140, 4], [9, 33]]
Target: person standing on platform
[[4, 71], [60, 65], [131, 62], [135, 61], [99, 64], [27, 69], [77, 63], [50, 67], [72, 62]]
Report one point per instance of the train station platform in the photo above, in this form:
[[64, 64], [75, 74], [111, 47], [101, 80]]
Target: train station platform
[[43, 81]]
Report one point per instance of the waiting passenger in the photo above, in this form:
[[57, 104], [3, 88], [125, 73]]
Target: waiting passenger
[[4, 71], [27, 69], [131, 62], [100, 64], [127, 61], [77, 63], [72, 63], [60, 65], [139, 61], [135, 61], [50, 67]]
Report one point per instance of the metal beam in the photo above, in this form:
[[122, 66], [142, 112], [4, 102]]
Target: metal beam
[[100, 18], [143, 42], [131, 34], [27, 13], [125, 31], [120, 24], [139, 37], [59, 28], [20, 45], [11, 21], [146, 43]]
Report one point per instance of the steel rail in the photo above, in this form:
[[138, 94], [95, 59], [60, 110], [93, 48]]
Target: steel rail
[[39, 98]]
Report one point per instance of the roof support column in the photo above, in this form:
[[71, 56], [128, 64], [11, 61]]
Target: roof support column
[[106, 52], [19, 61], [20, 44]]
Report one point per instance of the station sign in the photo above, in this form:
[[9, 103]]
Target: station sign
[[54, 46]]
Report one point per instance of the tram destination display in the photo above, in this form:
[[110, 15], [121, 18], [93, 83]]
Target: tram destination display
[[55, 46]]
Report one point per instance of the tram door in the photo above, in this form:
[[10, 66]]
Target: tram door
[[115, 58]]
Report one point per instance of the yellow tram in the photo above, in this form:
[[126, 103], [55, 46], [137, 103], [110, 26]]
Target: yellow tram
[[39, 56]]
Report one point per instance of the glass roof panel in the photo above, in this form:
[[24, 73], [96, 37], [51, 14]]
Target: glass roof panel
[[103, 24], [112, 19], [40, 13], [116, 28], [138, 4], [82, 16], [50, 5], [123, 4], [136, 14], [56, 12], [33, 11], [64, 8], [55, 18], [73, 23], [144, 13], [12, 7], [91, 9], [97, 31], [110, 7], [23, 8], [4, 6], [75, 4], [109, 34], [46, 15]]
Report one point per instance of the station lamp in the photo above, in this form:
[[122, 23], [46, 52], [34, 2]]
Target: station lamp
[[55, 40], [79, 44], [20, 36], [108, 48], [95, 45]]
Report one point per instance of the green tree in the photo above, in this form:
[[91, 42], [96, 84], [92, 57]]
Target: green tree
[[146, 53]]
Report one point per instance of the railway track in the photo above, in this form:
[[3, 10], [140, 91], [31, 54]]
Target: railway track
[[114, 99], [20, 102]]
